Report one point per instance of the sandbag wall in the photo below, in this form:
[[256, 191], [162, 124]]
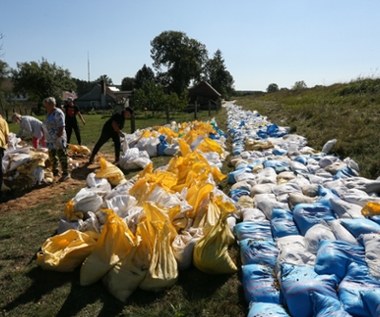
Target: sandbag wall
[[140, 232], [309, 235]]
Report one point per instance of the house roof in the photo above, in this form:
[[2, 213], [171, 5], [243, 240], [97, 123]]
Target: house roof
[[96, 91], [204, 89]]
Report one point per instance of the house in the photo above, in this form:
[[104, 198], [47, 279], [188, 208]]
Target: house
[[99, 98], [205, 96]]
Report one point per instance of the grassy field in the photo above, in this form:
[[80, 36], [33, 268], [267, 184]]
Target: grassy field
[[27, 290]]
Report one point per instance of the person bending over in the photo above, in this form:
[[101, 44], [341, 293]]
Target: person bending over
[[112, 129]]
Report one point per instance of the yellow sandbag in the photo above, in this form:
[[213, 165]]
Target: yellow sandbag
[[125, 277], [70, 213], [209, 145], [211, 252], [197, 195], [114, 244], [163, 269], [75, 149], [111, 172], [66, 251], [371, 209]]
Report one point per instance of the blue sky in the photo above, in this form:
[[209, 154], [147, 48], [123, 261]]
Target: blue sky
[[262, 42]]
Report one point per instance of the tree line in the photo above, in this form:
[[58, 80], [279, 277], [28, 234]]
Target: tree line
[[178, 63]]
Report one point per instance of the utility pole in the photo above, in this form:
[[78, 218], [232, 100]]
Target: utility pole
[[88, 66]]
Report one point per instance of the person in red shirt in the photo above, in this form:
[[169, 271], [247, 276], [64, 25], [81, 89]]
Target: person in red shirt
[[71, 112]]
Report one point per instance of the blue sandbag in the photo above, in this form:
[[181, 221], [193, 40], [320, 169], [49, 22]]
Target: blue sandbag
[[375, 219], [298, 282], [334, 257], [307, 215], [162, 146], [371, 300], [231, 179], [254, 251], [236, 193], [278, 166], [279, 152], [353, 288], [259, 284], [257, 230], [327, 306], [282, 223], [267, 310], [359, 226]]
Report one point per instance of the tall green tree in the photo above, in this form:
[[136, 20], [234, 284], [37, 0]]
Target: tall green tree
[[83, 86], [107, 80], [218, 76], [145, 74], [42, 79], [182, 57], [272, 88], [128, 83]]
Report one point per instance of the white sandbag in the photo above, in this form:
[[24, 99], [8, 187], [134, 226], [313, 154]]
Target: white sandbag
[[341, 233], [358, 197], [252, 214], [90, 223], [183, 246], [87, 200], [327, 147], [298, 198], [267, 175], [265, 188], [371, 242], [316, 234], [286, 188], [99, 185], [162, 198], [327, 160], [292, 249], [266, 203], [310, 190], [120, 204], [345, 209], [148, 144]]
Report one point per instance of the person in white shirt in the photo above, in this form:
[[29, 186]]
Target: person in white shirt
[[30, 127]]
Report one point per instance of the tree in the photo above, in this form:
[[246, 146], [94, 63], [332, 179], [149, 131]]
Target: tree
[[218, 76], [298, 85], [42, 79], [272, 88], [143, 75], [128, 83], [183, 58], [83, 86], [107, 80]]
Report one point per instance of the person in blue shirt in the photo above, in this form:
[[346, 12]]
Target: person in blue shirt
[[56, 141]]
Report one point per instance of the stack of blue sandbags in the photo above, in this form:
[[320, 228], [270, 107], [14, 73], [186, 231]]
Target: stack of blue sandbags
[[305, 247]]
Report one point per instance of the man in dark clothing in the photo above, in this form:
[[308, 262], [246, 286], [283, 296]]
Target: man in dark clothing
[[71, 111], [112, 130]]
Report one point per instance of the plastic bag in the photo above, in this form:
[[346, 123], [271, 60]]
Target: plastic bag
[[211, 252], [66, 251], [111, 172], [114, 243]]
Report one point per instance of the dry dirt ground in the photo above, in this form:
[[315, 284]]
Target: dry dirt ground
[[31, 197]]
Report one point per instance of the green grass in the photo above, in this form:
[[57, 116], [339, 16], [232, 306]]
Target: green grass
[[27, 290], [348, 112]]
